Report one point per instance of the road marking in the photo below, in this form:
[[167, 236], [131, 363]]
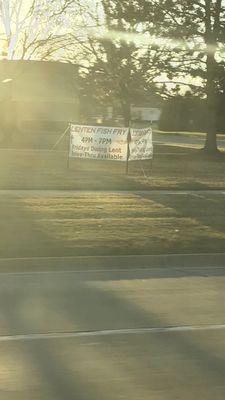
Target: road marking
[[197, 195], [62, 192], [109, 332], [87, 271]]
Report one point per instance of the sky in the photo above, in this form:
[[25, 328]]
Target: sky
[[22, 7]]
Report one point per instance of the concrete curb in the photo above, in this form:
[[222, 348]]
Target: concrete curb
[[80, 263]]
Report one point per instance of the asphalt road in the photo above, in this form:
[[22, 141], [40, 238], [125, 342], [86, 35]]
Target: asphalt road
[[186, 140], [105, 333]]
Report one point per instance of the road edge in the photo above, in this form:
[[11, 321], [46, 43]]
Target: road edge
[[112, 262]]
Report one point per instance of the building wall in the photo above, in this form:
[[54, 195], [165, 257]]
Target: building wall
[[34, 90]]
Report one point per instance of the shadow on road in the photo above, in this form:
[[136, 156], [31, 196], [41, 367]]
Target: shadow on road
[[89, 308]]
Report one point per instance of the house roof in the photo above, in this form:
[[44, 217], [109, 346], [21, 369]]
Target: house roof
[[38, 81]]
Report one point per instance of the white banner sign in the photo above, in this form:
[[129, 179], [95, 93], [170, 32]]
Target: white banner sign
[[98, 142], [141, 146]]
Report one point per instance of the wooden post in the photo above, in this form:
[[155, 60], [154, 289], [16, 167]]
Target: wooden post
[[151, 163], [128, 151], [68, 156]]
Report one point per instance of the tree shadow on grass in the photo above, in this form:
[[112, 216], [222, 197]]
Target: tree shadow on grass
[[208, 210], [20, 234], [192, 171]]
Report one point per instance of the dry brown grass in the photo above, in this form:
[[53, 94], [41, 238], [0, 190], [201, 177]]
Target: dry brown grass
[[107, 223], [173, 167]]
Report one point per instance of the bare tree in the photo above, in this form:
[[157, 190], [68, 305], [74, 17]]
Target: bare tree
[[35, 29]]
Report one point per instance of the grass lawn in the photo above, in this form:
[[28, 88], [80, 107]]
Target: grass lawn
[[174, 167], [48, 224], [101, 223]]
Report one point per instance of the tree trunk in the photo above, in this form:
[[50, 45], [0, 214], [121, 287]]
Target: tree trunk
[[211, 30], [211, 141], [125, 102], [126, 113]]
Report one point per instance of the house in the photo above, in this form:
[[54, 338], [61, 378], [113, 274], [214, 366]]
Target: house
[[145, 113], [37, 93], [147, 110]]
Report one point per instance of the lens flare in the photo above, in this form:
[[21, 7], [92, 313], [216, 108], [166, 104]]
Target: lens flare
[[146, 40]]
